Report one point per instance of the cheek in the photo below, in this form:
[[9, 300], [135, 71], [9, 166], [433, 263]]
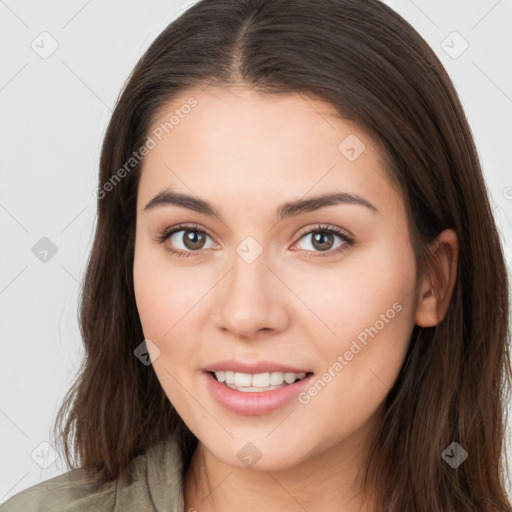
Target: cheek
[[346, 298], [163, 294], [371, 308], [169, 303], [165, 298]]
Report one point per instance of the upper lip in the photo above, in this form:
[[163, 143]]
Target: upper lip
[[253, 367]]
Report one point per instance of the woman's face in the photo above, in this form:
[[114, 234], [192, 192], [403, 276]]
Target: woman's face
[[257, 289]]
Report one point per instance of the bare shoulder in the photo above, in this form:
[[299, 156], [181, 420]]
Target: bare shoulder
[[73, 491]]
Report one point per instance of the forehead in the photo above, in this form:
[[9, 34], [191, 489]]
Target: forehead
[[248, 146]]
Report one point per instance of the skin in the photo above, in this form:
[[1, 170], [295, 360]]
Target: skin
[[247, 154]]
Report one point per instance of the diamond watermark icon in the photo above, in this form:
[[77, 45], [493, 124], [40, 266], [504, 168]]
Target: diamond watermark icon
[[454, 455], [44, 45], [44, 455], [454, 45], [147, 352], [44, 250], [351, 147], [249, 454], [249, 249]]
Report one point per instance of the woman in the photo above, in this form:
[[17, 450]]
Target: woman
[[296, 298]]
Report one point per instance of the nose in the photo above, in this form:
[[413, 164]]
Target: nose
[[251, 300]]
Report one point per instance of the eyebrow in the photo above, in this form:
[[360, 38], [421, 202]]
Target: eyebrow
[[289, 209]]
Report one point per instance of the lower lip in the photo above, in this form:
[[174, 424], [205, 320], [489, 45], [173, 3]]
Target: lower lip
[[254, 403]]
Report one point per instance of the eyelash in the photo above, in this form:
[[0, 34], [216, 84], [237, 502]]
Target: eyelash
[[348, 242]]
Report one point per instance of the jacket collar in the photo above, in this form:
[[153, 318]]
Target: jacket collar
[[155, 482]]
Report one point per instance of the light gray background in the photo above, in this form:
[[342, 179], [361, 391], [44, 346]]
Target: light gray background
[[54, 112]]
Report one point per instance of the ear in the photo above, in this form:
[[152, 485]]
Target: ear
[[435, 289]]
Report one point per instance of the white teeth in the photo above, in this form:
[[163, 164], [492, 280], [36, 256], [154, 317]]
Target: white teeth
[[289, 378], [276, 378], [243, 379], [261, 380], [257, 382]]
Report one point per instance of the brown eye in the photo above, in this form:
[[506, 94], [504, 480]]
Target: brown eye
[[188, 239], [185, 240], [327, 240], [322, 241], [193, 240]]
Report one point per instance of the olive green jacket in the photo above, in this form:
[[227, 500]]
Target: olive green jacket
[[154, 484]]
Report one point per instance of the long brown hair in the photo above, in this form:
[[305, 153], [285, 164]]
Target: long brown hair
[[375, 69]]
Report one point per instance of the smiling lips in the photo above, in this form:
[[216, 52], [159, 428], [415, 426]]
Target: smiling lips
[[256, 376], [257, 382], [254, 388]]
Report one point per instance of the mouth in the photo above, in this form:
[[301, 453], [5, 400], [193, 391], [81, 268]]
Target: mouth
[[255, 394], [257, 382]]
